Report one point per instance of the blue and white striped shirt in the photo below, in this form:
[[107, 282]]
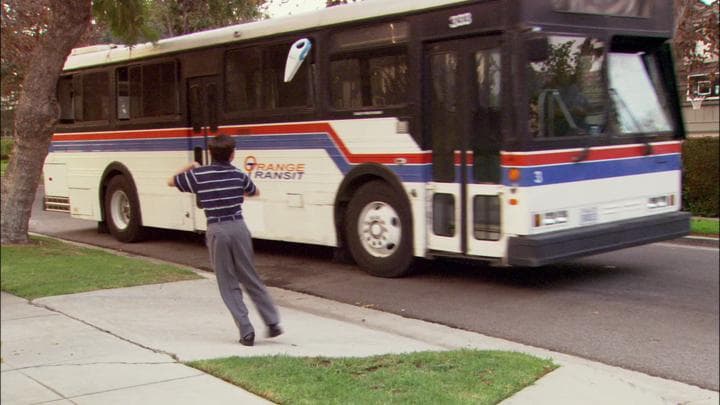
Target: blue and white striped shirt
[[220, 188]]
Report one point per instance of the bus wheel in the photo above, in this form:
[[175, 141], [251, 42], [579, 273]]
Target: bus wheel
[[122, 210], [378, 230]]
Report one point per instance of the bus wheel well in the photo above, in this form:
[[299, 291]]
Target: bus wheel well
[[358, 177], [112, 170]]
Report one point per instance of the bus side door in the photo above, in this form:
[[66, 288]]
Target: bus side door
[[463, 117], [203, 106]]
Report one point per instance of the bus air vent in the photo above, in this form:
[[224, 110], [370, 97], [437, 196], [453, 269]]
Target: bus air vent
[[53, 203]]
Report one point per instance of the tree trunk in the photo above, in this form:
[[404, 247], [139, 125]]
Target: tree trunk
[[36, 114]]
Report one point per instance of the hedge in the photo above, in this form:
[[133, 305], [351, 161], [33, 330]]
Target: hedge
[[700, 176]]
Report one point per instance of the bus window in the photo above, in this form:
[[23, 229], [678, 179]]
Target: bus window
[[369, 79], [639, 101], [444, 114], [159, 90], [346, 86], [486, 217], [444, 214], [278, 93], [628, 8], [135, 78], [242, 80], [123, 94], [65, 99], [147, 90], [254, 80], [567, 96], [370, 37], [91, 98], [367, 68], [487, 116]]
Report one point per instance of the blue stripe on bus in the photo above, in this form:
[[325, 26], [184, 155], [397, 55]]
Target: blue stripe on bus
[[582, 171]]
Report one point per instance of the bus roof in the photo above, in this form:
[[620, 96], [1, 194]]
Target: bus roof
[[106, 54]]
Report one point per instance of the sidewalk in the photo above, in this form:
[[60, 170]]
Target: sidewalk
[[125, 346]]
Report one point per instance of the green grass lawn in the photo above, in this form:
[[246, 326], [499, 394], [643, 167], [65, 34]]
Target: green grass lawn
[[705, 226], [49, 267], [452, 377], [3, 166]]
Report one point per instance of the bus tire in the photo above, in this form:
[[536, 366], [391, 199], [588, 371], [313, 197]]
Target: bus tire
[[122, 210], [378, 230]]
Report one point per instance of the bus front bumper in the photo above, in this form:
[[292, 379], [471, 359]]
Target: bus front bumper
[[539, 250]]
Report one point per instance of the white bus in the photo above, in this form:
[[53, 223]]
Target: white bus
[[518, 132]]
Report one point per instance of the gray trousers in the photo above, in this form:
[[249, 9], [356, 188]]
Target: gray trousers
[[231, 256]]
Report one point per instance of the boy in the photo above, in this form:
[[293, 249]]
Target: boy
[[221, 188]]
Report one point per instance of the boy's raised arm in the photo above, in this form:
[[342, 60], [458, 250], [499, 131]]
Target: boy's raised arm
[[189, 166]]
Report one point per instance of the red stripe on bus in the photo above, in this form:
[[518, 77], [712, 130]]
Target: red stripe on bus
[[124, 135], [280, 130], [540, 159]]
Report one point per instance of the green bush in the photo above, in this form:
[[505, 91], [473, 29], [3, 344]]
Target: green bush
[[700, 176], [6, 145]]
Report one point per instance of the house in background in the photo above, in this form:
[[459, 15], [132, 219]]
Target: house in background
[[699, 86], [701, 106]]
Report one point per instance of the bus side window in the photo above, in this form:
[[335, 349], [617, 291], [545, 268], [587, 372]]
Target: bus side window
[[123, 94], [369, 66], [196, 116], [242, 68], [294, 93], [90, 97], [369, 79], [65, 99], [77, 98], [254, 80], [149, 90], [96, 96], [345, 83], [159, 89]]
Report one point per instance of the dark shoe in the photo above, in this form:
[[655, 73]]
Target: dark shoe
[[274, 331], [248, 340]]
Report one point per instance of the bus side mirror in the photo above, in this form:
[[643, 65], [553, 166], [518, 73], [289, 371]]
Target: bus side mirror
[[298, 51], [537, 48]]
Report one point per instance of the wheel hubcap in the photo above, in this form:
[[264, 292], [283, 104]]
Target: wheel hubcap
[[120, 209], [379, 229]]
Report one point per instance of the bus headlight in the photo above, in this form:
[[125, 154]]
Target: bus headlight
[[661, 201]]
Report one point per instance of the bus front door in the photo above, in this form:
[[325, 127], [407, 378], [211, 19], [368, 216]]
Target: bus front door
[[203, 105], [463, 119]]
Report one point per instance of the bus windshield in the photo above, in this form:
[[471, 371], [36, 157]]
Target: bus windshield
[[638, 100], [567, 96]]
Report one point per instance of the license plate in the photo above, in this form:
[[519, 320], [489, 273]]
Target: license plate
[[588, 216]]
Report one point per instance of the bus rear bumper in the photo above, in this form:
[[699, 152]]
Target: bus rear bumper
[[539, 250]]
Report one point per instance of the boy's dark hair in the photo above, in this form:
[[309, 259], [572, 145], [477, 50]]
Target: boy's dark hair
[[221, 147]]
